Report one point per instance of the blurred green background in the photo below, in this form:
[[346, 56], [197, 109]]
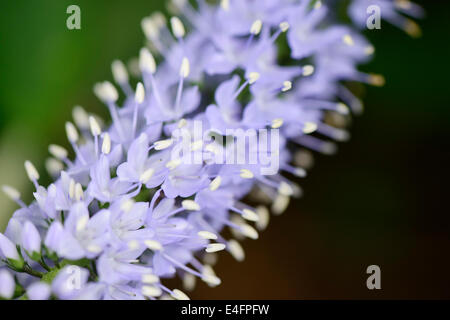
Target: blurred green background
[[382, 200]]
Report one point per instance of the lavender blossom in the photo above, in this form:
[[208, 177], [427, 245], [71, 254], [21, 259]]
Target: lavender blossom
[[147, 198], [7, 285]]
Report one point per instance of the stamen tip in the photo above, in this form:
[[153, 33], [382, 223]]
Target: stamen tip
[[119, 72], [177, 27], [256, 27], [11, 192]]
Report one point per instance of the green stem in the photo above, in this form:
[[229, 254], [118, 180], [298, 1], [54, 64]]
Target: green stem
[[34, 273], [43, 264]]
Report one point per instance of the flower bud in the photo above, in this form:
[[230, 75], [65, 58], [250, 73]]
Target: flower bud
[[9, 251], [7, 285], [31, 241]]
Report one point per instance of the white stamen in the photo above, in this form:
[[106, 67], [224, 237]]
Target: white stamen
[[196, 145], [253, 77], [342, 108], [225, 4], [209, 277], [151, 291], [207, 269], [147, 175], [264, 216], [139, 96], [287, 85], [249, 232], [127, 205], [106, 145], [72, 133], [82, 223], [403, 4], [149, 278], [133, 245], [185, 68], [32, 173], [57, 151], [285, 189], [153, 245], [94, 248], [215, 247], [250, 215], [341, 135], [318, 5], [106, 92], [159, 18], [11, 193], [146, 61], [277, 123], [300, 172], [309, 127], [369, 50], [376, 80], [284, 26], [236, 250], [163, 144], [189, 281], [171, 165], [80, 117], [246, 174], [348, 40], [53, 166], [215, 184], [179, 295], [177, 27], [256, 27], [307, 70], [207, 235], [190, 205], [119, 72], [79, 194], [328, 148], [179, 3], [150, 28], [72, 189], [94, 126], [280, 204], [182, 123]]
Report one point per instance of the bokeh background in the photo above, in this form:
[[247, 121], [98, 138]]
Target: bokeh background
[[382, 200]]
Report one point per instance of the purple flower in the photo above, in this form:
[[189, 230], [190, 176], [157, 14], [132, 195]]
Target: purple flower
[[126, 222], [8, 249], [31, 240], [120, 266], [38, 291], [140, 168], [218, 119], [7, 285], [102, 186]]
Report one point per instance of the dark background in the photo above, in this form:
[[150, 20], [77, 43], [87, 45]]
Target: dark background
[[383, 199]]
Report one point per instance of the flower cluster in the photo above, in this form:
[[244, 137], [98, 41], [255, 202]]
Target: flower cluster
[[128, 209]]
